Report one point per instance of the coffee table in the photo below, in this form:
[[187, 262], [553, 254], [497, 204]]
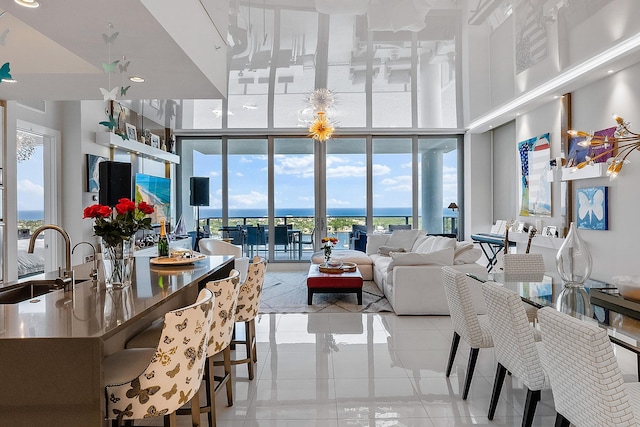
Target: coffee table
[[347, 282]]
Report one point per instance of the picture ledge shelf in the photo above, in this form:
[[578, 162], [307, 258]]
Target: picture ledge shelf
[[597, 170], [540, 241], [112, 140]]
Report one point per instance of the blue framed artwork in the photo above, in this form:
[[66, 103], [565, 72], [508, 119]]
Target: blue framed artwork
[[593, 208], [93, 172]]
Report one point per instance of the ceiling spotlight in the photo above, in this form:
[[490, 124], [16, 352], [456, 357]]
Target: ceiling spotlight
[[136, 79], [28, 3], [610, 71], [9, 81]]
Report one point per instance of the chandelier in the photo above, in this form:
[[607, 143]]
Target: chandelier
[[25, 146], [321, 128], [617, 148]]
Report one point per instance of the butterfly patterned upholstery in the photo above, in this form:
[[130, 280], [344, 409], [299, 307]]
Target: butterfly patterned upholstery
[[247, 310], [166, 377], [220, 336]]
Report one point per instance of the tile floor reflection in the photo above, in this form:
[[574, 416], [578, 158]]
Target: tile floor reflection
[[351, 369]]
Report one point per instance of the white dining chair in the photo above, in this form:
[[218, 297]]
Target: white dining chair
[[587, 384], [474, 329], [515, 346], [210, 246]]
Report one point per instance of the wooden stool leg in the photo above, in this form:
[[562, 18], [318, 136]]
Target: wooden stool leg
[[227, 371], [249, 347], [211, 392]]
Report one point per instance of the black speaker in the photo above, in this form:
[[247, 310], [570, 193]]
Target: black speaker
[[115, 182], [199, 191]]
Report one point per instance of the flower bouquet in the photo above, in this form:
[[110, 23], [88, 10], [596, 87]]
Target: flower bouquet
[[117, 227], [327, 245]]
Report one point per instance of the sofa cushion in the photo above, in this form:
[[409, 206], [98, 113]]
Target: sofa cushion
[[441, 257], [386, 250], [419, 240], [374, 241], [403, 238], [436, 243], [461, 247], [468, 256]]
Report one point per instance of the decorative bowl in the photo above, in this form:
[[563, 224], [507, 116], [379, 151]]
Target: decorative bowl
[[628, 286], [334, 263]]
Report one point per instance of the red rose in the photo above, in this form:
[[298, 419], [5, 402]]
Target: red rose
[[97, 211], [124, 206], [146, 208]]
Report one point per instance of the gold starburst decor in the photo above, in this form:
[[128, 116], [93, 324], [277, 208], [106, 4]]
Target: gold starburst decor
[[618, 147], [321, 129]]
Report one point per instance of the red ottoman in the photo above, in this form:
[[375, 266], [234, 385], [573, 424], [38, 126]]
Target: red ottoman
[[346, 282]]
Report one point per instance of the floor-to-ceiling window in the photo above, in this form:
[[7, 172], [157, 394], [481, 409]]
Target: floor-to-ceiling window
[[392, 183]]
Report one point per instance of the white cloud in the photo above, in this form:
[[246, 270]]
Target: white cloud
[[254, 198], [345, 171], [214, 173], [397, 183], [294, 165], [31, 195], [380, 170], [336, 202], [239, 174], [244, 159], [406, 165]]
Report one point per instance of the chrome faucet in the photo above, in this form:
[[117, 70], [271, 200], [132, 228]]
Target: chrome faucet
[[67, 245], [94, 270]]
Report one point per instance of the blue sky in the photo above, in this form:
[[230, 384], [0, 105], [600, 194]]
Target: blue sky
[[294, 180]]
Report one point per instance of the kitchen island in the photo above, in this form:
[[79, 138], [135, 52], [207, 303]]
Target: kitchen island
[[52, 346]]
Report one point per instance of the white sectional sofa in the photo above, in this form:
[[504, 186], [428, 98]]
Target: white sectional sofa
[[407, 264]]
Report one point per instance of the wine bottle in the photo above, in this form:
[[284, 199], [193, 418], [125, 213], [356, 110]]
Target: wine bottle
[[163, 243]]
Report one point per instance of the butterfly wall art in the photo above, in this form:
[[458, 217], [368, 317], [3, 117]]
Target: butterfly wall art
[[593, 205]]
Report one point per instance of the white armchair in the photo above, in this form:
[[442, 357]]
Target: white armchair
[[209, 246]]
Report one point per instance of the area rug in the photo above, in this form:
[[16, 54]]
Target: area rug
[[286, 292]]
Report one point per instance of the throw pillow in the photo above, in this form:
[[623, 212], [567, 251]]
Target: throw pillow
[[374, 241], [467, 257], [441, 257], [419, 240], [403, 238], [461, 247], [386, 250]]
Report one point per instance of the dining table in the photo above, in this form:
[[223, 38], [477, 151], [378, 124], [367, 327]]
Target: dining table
[[595, 302], [52, 346]]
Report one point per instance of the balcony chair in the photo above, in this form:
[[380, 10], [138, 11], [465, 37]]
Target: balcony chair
[[256, 236], [474, 329], [281, 237], [358, 237], [211, 246], [588, 388], [247, 310], [220, 334], [515, 347], [141, 385]]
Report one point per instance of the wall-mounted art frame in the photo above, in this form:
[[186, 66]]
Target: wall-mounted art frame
[[93, 172], [535, 189], [578, 153], [132, 132], [155, 141], [592, 205]]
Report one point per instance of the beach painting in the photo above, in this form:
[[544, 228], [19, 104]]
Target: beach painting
[[156, 191], [93, 172]]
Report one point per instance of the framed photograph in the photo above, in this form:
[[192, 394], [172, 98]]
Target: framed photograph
[[155, 141], [131, 132], [552, 231], [93, 172], [521, 227], [593, 208]]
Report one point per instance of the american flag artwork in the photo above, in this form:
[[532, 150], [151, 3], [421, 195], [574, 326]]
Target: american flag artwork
[[535, 154]]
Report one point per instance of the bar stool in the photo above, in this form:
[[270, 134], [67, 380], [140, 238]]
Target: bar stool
[[247, 310], [220, 334], [152, 382]]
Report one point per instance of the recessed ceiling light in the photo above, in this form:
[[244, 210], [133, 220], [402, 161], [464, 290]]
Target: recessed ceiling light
[[28, 3], [136, 79], [610, 71], [10, 80]]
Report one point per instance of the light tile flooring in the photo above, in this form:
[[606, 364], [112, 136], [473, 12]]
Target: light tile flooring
[[348, 369]]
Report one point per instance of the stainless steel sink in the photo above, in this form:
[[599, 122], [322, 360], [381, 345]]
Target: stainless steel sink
[[25, 291]]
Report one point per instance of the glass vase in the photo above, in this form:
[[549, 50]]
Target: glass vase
[[573, 259], [574, 299], [118, 263]]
